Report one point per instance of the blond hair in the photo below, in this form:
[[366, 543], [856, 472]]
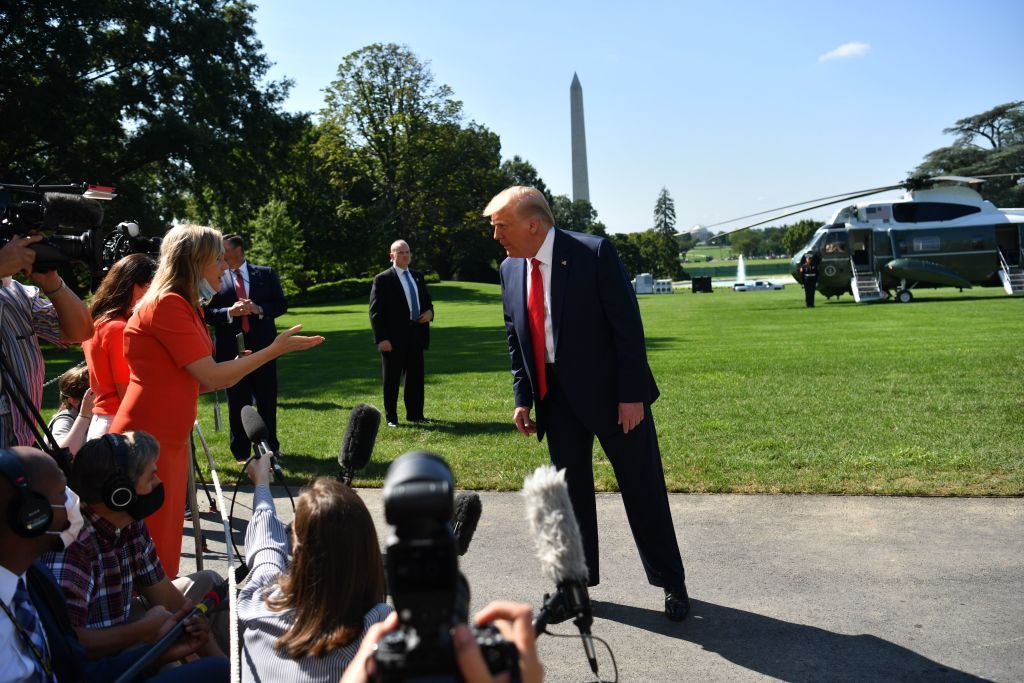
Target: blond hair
[[527, 202], [185, 250]]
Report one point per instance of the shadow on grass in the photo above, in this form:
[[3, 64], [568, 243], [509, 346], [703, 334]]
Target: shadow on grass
[[784, 650]]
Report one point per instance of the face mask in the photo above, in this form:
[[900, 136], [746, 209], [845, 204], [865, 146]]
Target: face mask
[[144, 506], [73, 507], [206, 292]]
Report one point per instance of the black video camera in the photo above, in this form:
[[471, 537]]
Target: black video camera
[[429, 592], [69, 207]]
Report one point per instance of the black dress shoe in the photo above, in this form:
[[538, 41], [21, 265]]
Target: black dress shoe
[[677, 603]]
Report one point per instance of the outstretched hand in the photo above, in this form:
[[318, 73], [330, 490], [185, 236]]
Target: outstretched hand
[[290, 340]]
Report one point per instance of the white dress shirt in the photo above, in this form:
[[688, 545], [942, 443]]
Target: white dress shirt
[[544, 255], [16, 660], [409, 287]]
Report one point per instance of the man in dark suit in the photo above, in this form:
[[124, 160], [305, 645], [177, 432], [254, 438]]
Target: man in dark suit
[[576, 342], [400, 314], [249, 300]]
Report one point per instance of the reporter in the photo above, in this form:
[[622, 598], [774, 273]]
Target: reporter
[[112, 304], [513, 619], [71, 423], [169, 352], [303, 618]]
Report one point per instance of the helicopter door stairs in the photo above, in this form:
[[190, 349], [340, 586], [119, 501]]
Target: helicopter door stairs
[[1011, 275], [864, 281]]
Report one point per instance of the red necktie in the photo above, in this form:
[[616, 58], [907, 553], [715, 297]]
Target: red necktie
[[240, 291], [535, 307]]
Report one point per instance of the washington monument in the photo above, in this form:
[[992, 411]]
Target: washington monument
[[580, 181]]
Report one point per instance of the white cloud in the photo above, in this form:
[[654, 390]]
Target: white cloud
[[854, 49]]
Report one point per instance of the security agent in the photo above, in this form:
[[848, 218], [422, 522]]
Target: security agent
[[36, 639], [809, 278]]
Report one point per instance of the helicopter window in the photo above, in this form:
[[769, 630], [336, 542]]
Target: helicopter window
[[921, 212], [930, 243], [835, 242]]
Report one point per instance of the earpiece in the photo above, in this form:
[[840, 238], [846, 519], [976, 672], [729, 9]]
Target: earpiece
[[29, 513]]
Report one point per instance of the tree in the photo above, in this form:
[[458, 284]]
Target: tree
[[665, 213], [518, 171], [166, 99], [578, 215], [649, 251], [795, 236], [394, 146], [277, 242], [988, 143]]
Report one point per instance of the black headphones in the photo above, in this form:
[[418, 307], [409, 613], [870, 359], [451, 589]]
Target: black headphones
[[118, 490], [29, 513]]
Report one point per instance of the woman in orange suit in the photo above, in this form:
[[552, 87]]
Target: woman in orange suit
[[169, 353]]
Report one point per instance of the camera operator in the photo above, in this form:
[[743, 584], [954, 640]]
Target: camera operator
[[36, 641], [113, 555], [112, 304], [305, 616], [71, 423], [514, 620], [49, 310]]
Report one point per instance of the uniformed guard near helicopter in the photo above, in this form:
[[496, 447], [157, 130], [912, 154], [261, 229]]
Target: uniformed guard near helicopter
[[809, 278]]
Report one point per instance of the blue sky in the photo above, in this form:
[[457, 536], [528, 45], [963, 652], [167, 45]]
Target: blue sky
[[735, 107]]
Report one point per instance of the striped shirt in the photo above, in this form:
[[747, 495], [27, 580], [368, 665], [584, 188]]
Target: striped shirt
[[99, 571], [25, 316], [266, 548]]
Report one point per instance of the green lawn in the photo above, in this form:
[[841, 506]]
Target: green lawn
[[759, 394]]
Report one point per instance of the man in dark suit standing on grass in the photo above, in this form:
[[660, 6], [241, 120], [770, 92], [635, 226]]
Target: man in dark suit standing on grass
[[400, 315], [249, 300], [576, 342]]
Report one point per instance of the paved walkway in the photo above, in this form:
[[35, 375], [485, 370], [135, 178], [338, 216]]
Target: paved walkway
[[796, 588]]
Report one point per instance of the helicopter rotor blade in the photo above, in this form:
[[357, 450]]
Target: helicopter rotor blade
[[809, 208], [837, 199]]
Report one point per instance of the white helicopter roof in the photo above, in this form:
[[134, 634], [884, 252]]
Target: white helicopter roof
[[875, 213]]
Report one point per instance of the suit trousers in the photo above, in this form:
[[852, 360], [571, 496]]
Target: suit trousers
[[260, 386], [636, 461], [404, 361]]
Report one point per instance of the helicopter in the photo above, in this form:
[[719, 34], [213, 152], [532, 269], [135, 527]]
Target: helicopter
[[941, 233]]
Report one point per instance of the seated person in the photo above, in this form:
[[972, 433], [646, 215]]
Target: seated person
[[113, 555], [70, 424], [304, 617], [38, 643]]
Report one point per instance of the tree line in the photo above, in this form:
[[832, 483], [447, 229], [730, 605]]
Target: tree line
[[170, 102]]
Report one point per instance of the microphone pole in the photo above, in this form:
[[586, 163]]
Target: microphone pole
[[211, 600]]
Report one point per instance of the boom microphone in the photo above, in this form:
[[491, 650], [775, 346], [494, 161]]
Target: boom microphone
[[256, 430], [210, 601], [465, 517], [71, 211], [560, 550], [357, 443]]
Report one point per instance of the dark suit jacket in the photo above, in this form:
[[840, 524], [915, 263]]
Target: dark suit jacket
[[265, 290], [600, 354], [66, 652], [389, 310]]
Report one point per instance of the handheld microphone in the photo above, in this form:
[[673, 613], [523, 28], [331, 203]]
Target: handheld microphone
[[465, 517], [256, 430], [357, 443], [210, 601], [560, 550]]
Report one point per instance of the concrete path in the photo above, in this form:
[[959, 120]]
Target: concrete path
[[794, 588]]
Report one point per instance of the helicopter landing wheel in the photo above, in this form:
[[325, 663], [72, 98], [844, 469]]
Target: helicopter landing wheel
[[904, 296]]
